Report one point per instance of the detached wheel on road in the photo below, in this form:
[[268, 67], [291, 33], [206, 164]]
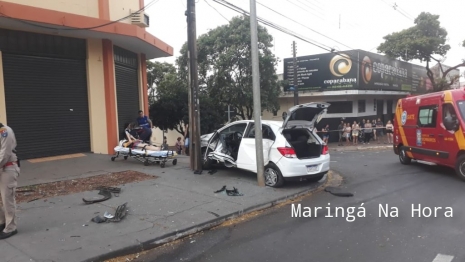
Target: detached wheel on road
[[404, 159], [273, 176], [460, 167]]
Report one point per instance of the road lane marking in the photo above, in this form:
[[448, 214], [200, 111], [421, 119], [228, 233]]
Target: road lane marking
[[443, 258]]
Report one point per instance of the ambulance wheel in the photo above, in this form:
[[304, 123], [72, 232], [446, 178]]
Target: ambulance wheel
[[146, 163], [175, 161], [113, 158], [404, 159], [125, 157], [162, 164], [460, 167]]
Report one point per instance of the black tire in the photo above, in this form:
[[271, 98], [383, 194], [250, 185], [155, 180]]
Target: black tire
[[273, 176], [175, 161], [146, 163], [113, 158], [125, 157], [460, 167], [403, 158], [162, 164]]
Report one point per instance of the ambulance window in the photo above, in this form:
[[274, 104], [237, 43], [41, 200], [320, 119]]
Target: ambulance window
[[427, 116], [448, 110], [461, 106]]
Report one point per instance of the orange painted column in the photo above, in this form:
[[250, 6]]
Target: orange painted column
[[104, 9], [145, 96], [141, 4], [110, 94]]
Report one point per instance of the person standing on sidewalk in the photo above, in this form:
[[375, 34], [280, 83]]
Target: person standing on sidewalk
[[8, 181], [341, 128], [368, 131]]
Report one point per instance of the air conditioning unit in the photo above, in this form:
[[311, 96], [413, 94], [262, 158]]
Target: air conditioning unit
[[140, 19]]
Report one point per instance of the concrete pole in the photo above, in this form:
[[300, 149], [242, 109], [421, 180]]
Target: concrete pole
[[189, 90], [257, 109], [195, 135], [296, 85]]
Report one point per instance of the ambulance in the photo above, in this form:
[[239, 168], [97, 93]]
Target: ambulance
[[431, 128]]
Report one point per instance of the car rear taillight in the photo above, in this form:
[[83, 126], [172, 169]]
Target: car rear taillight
[[325, 150], [288, 152]]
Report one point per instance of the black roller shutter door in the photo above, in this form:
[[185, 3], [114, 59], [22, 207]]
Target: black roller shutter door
[[47, 104], [127, 87]]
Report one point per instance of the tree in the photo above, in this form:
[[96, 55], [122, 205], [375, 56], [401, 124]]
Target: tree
[[156, 72], [423, 41], [225, 67], [169, 109]]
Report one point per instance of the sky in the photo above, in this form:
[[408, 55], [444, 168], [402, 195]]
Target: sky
[[339, 24]]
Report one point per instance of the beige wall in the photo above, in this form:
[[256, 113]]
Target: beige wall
[[78, 7], [171, 136], [123, 8], [2, 94], [96, 91]]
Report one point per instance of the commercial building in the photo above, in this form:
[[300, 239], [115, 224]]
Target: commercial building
[[73, 72], [358, 85]]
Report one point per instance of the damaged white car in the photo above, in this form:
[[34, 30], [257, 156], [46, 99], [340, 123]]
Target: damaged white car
[[291, 148]]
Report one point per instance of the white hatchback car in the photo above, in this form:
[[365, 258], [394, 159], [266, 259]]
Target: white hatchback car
[[291, 149]]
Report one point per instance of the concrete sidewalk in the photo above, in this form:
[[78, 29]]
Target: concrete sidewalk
[[170, 206]]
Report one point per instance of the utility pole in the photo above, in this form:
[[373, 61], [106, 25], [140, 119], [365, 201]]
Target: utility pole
[[195, 108], [257, 109], [296, 86], [189, 91], [229, 113]]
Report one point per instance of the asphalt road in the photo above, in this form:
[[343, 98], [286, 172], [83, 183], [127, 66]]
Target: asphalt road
[[374, 177]]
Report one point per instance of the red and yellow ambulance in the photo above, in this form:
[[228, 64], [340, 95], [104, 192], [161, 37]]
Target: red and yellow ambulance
[[431, 128]]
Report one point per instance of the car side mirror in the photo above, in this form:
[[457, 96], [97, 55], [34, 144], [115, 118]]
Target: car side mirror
[[451, 123]]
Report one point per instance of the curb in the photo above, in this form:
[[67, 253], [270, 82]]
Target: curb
[[172, 236], [360, 148]]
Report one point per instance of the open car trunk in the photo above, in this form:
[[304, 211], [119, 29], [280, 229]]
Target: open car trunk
[[305, 144]]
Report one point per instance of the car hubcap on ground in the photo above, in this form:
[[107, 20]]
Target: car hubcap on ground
[[271, 177]]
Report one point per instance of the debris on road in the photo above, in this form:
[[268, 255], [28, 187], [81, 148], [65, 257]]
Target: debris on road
[[105, 192], [67, 187], [213, 171], [338, 192], [233, 192], [120, 213]]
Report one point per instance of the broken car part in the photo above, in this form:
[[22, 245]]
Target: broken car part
[[105, 192], [337, 192], [120, 213], [233, 192], [221, 190]]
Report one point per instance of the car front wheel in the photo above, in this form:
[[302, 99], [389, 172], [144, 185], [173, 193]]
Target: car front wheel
[[273, 176], [460, 167]]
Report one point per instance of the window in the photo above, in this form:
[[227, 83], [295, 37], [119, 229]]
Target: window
[[340, 107], [267, 132], [427, 116], [461, 106], [234, 128], [361, 106]]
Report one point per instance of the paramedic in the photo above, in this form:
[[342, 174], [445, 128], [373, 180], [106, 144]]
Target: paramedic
[[144, 121], [8, 181], [136, 143]]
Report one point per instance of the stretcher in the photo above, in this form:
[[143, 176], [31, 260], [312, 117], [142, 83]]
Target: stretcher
[[146, 156]]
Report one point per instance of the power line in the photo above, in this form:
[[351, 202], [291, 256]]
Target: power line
[[216, 10], [87, 28], [303, 25]]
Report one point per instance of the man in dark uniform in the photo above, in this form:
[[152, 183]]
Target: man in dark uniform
[[8, 181]]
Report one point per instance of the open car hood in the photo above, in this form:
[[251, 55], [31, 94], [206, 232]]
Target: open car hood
[[306, 115]]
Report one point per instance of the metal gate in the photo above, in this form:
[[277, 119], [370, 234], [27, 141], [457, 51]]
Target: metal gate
[[127, 86], [46, 93]]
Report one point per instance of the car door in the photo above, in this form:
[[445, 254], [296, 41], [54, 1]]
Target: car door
[[447, 137], [426, 142], [220, 146], [247, 158]]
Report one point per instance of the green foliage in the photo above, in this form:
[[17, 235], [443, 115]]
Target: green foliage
[[225, 71], [422, 41], [156, 72], [169, 109]]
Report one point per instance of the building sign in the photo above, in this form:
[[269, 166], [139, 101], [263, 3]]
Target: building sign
[[322, 72], [355, 69]]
